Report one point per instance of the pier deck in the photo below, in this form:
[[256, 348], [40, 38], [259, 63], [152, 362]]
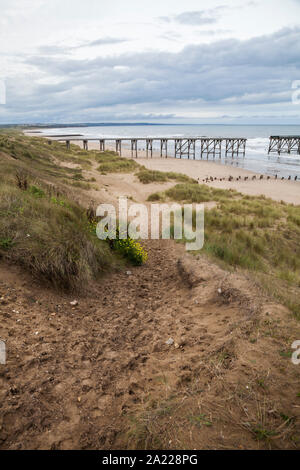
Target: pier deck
[[284, 144], [179, 146]]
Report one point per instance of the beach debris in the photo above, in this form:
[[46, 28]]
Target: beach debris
[[170, 342], [74, 303]]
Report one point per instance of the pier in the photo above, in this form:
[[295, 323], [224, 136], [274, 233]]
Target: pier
[[178, 147], [284, 144]]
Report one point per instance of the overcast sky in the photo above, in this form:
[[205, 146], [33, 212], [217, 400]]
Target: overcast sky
[[192, 61]]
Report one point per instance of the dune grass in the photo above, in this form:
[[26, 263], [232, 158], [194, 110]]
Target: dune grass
[[43, 226], [50, 238], [111, 162], [187, 192], [146, 176], [253, 233]]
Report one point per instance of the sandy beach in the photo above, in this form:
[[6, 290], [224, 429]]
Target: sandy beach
[[287, 191]]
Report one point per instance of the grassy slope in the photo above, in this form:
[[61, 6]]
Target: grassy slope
[[253, 233], [41, 227]]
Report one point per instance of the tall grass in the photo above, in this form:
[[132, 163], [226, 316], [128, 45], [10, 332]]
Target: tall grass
[[50, 237]]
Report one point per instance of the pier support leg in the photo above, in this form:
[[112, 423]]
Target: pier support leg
[[134, 148], [119, 147], [149, 146]]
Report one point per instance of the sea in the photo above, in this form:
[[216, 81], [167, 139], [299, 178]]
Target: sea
[[256, 158]]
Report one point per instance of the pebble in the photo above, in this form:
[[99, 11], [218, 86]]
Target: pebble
[[74, 303], [170, 342]]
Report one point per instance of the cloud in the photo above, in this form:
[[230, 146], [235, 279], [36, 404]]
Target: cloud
[[63, 49], [250, 76], [103, 42], [196, 18]]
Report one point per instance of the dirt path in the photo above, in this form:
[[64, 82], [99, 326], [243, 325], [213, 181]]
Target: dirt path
[[101, 376]]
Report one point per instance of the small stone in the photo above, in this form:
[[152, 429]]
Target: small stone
[[74, 303], [128, 273], [176, 346], [220, 291], [170, 342], [79, 399]]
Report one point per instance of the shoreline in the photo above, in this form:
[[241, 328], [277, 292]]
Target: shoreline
[[278, 190]]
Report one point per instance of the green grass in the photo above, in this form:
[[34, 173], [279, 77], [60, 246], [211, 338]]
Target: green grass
[[253, 233], [146, 176], [111, 162], [41, 227], [50, 238], [198, 193]]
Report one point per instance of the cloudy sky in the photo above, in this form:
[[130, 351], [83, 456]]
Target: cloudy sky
[[192, 61]]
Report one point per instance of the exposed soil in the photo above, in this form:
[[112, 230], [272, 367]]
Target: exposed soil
[[101, 376]]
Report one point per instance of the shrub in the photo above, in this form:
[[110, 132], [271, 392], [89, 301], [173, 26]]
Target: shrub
[[132, 250]]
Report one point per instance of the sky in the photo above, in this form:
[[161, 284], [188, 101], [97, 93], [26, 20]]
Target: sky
[[170, 61]]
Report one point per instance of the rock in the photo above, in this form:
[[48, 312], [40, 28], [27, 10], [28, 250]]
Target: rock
[[176, 346], [74, 303], [170, 342], [128, 273]]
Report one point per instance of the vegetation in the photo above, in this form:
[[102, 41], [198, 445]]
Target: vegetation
[[131, 249], [154, 176], [111, 162], [50, 237], [43, 226], [253, 233]]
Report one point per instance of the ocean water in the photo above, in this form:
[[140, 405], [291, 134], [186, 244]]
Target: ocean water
[[256, 158]]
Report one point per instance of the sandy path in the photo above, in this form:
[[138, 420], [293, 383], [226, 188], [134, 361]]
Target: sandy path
[[80, 377]]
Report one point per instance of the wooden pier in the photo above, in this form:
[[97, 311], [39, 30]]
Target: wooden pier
[[178, 147], [284, 144]]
